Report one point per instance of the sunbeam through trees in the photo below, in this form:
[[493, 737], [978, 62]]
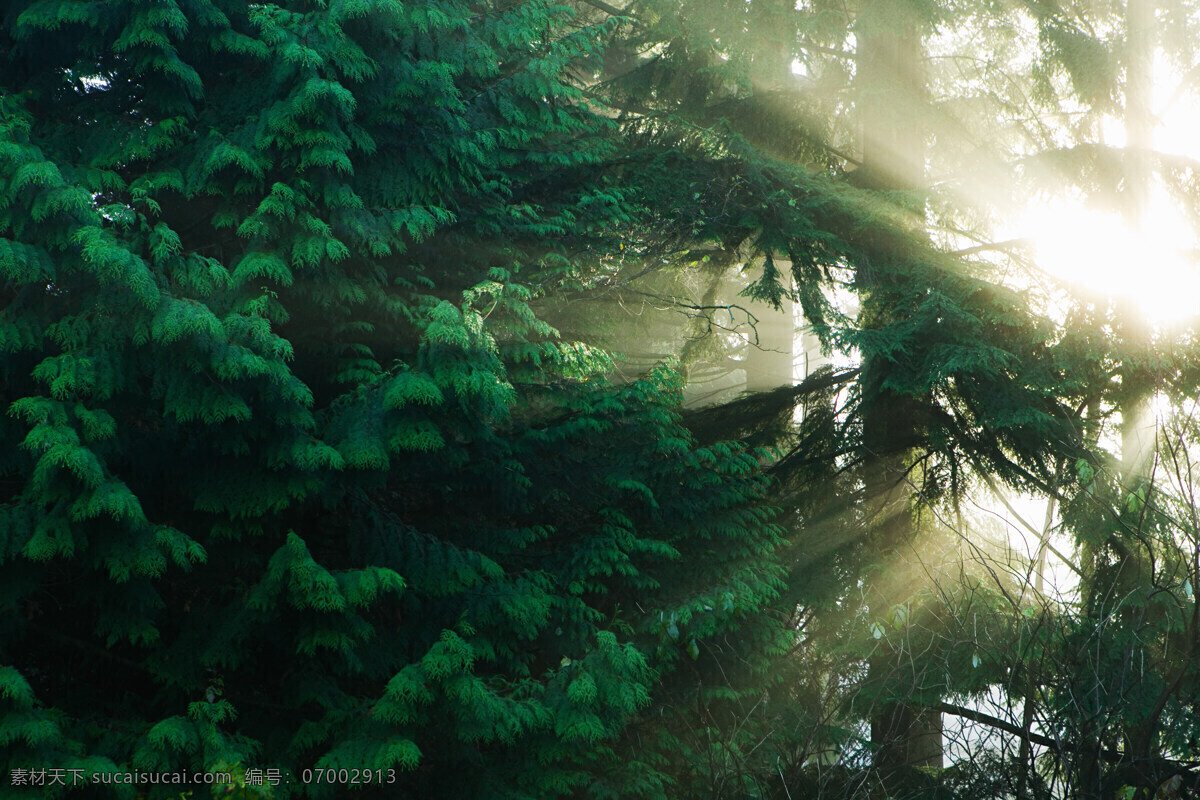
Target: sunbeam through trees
[[600, 399]]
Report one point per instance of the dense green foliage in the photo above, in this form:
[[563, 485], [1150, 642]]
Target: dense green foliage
[[976, 376], [294, 474]]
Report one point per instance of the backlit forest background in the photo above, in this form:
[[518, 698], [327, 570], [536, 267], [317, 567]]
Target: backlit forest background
[[601, 398]]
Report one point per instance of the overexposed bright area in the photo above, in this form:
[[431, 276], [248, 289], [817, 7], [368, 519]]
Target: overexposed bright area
[[1100, 254], [1146, 259]]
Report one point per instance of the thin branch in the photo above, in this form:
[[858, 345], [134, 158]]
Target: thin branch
[[87, 647], [1111, 756], [818, 48], [1000, 496], [606, 8], [1007, 245], [999, 724]]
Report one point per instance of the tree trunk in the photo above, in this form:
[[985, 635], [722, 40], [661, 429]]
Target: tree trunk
[[890, 87], [1137, 417], [1137, 425]]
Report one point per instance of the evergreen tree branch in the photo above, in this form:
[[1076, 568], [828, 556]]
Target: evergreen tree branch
[[606, 8], [1008, 245], [89, 648], [999, 724]]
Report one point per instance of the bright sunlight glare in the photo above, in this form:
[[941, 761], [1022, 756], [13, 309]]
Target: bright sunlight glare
[[1153, 266], [1099, 253]]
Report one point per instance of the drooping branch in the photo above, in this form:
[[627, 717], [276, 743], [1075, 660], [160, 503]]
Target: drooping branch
[[606, 8], [1005, 246], [999, 724], [1110, 755]]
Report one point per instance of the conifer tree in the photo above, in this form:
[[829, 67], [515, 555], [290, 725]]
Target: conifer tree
[[962, 381], [986, 391], [292, 475]]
